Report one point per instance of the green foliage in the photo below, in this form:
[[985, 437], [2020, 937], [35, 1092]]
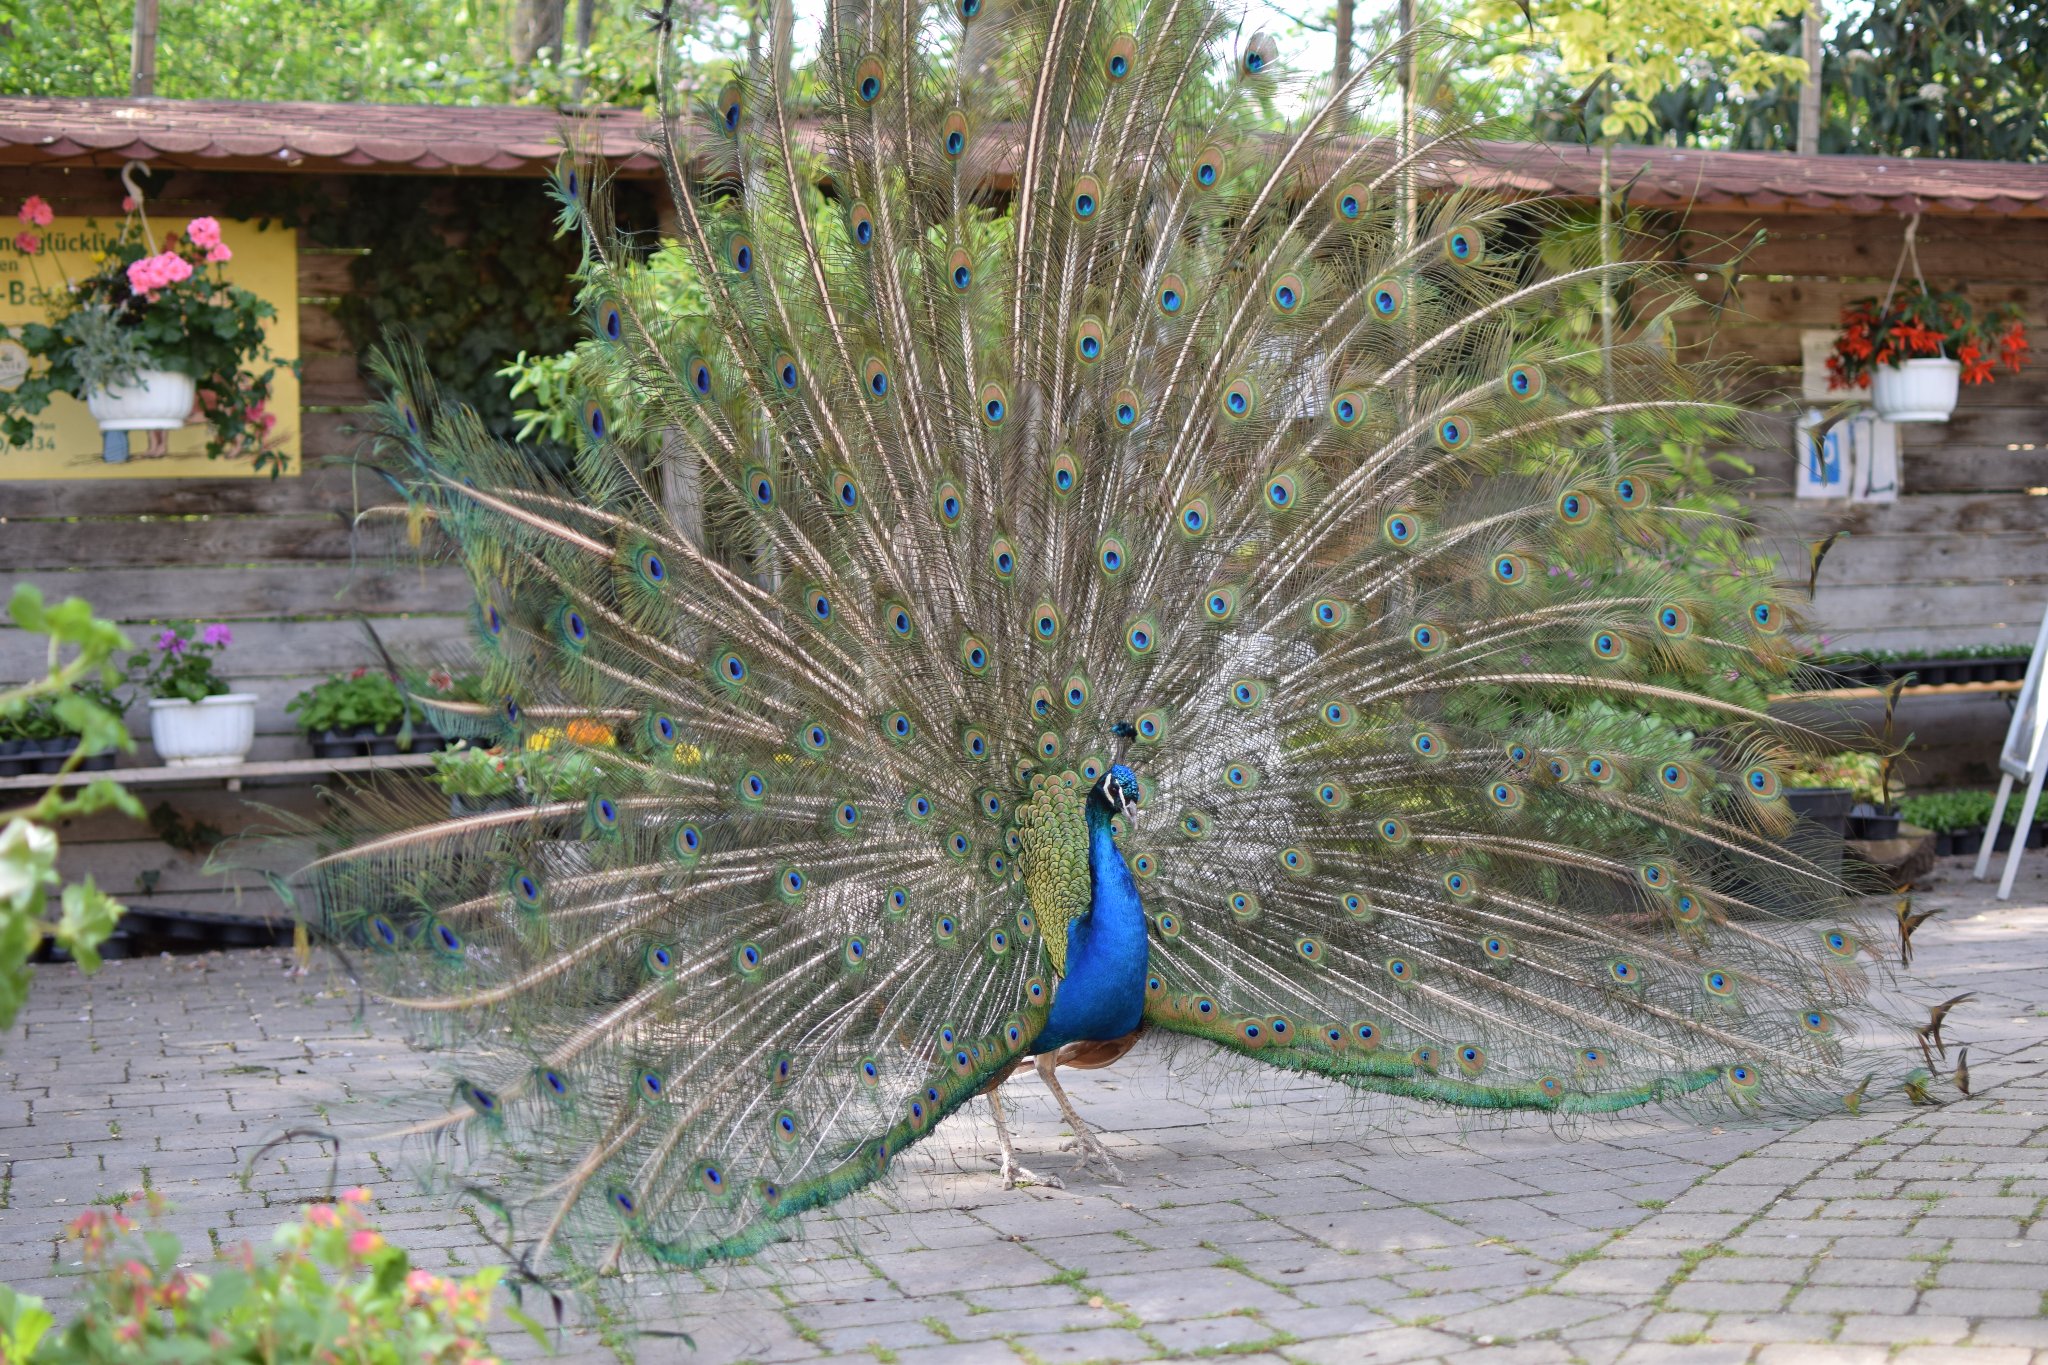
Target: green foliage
[[114, 322], [343, 703], [1952, 812], [473, 773], [1966, 79], [1620, 55], [386, 51], [179, 663], [28, 844], [1862, 774], [503, 290], [555, 773], [330, 1289]]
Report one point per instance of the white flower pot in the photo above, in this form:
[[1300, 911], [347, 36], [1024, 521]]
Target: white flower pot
[[212, 733], [157, 400], [1916, 390]]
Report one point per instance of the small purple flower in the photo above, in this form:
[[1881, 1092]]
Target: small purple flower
[[170, 642], [217, 635]]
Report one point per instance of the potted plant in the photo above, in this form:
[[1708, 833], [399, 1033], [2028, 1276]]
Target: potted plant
[[154, 330], [1823, 788], [40, 745], [1913, 348], [476, 780], [194, 721], [1956, 819], [345, 717]]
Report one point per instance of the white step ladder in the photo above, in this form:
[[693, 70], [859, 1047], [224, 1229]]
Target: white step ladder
[[2025, 757]]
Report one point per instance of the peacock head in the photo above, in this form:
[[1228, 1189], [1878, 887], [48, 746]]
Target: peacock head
[[1118, 789]]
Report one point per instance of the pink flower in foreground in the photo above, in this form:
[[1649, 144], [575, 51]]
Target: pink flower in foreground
[[28, 244], [127, 203], [323, 1216], [364, 1242], [36, 212], [358, 1195], [218, 254], [203, 231], [216, 635], [168, 641]]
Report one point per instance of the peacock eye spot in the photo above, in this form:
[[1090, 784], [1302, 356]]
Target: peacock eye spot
[[1084, 204], [1170, 300], [1348, 205]]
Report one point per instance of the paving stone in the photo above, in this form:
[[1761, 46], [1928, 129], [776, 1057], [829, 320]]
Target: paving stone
[[1868, 1274], [1709, 1297], [1340, 1225], [1982, 1303]]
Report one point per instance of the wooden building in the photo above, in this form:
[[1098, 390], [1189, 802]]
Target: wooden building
[[1960, 558]]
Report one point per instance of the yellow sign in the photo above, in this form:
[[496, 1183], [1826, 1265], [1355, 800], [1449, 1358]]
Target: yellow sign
[[67, 443]]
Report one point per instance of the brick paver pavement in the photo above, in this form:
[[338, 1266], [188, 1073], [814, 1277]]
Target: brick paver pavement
[[1262, 1215]]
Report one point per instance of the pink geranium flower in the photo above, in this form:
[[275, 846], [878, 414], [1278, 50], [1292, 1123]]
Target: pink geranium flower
[[36, 212], [28, 244], [168, 641], [203, 231], [152, 273], [218, 254], [217, 635]]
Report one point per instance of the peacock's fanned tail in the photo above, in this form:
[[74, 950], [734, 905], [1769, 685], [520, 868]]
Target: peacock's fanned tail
[[1077, 418]]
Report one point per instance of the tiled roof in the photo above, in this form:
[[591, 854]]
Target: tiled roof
[[233, 135], [247, 135]]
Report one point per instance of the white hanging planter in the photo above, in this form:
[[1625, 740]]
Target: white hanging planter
[[211, 733], [155, 400], [1916, 390]]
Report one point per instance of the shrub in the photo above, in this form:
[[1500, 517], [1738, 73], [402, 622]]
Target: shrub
[[331, 1289]]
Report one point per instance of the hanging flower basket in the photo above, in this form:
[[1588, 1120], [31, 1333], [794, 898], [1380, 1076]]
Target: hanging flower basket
[[1921, 390], [154, 400], [1914, 348], [153, 337]]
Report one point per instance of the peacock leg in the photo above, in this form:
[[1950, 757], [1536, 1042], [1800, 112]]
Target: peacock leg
[[1014, 1174], [1093, 1156]]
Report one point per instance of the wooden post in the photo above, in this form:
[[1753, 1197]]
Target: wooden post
[[142, 51], [1341, 69], [1809, 93]]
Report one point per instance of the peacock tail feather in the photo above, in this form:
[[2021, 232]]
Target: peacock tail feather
[[1082, 420]]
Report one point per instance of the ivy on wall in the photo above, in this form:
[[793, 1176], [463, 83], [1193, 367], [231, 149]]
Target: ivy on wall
[[473, 271]]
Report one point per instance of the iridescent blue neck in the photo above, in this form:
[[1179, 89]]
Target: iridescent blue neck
[[1103, 994]]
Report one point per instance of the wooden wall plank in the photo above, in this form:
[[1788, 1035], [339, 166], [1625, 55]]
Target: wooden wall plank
[[1847, 246], [293, 649], [1932, 514], [243, 594], [31, 547], [326, 272], [317, 490]]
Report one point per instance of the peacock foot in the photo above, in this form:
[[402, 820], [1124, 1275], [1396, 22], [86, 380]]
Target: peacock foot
[[1094, 1156], [1015, 1174]]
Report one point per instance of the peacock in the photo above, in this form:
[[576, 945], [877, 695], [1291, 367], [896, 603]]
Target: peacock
[[1118, 537]]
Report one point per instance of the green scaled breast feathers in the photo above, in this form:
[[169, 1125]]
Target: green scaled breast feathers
[[1052, 860], [1069, 384]]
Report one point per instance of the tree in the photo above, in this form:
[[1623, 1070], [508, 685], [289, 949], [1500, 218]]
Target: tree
[[1966, 78], [386, 51], [1617, 56]]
